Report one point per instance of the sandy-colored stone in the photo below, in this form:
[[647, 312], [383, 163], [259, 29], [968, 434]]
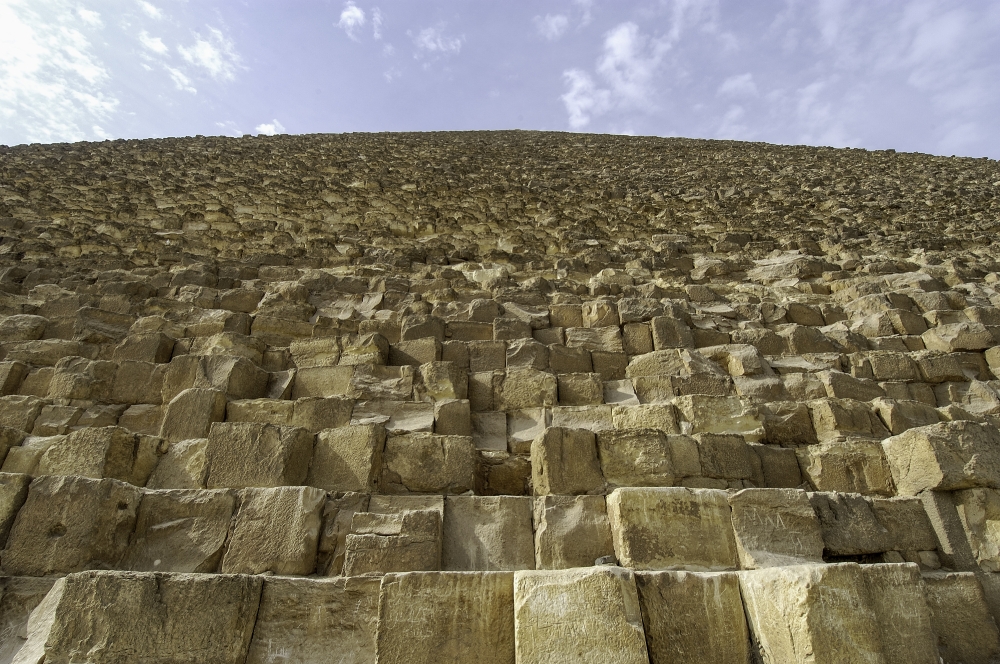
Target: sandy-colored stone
[[347, 458], [488, 533], [191, 413], [851, 466], [966, 632], [248, 454], [183, 466], [979, 511], [428, 463], [775, 527], [945, 457], [637, 457], [571, 531], [564, 461], [398, 540]]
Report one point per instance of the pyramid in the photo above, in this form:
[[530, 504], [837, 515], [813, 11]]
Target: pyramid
[[497, 397]]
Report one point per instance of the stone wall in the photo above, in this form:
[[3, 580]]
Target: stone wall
[[497, 397]]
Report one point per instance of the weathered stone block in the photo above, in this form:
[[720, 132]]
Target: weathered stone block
[[248, 454], [944, 457], [527, 388], [571, 531], [979, 511], [397, 540], [852, 466], [487, 533], [13, 493], [960, 616], [775, 527], [347, 458], [191, 413], [564, 461], [184, 466], [322, 382], [638, 457], [428, 463], [93, 452]]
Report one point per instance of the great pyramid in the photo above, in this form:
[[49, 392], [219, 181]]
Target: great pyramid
[[497, 397]]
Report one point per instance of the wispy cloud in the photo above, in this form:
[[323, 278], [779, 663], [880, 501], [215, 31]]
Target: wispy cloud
[[216, 54], [584, 98], [551, 26], [433, 40], [741, 85], [351, 19], [377, 20], [154, 44], [181, 80], [151, 10], [270, 128]]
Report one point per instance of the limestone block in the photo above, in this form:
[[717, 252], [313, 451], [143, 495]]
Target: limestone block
[[144, 617], [693, 617], [13, 493], [402, 540], [726, 456], [372, 382], [637, 457], [779, 466], [232, 344], [437, 381], [524, 425], [398, 417], [489, 430], [311, 621], [600, 314], [720, 414], [637, 338], [938, 367], [80, 378], [184, 466], [979, 511], [483, 390], [93, 452], [9, 437], [347, 458], [833, 418], [364, 349], [191, 413], [578, 615], [899, 416], [322, 382], [944, 457], [889, 365], [849, 524], [338, 513], [838, 613], [237, 377], [571, 531], [138, 382], [446, 618], [503, 474], [487, 533], [851, 466], [566, 315], [12, 374], [960, 616], [275, 530], [18, 598], [56, 420], [646, 416], [580, 389], [840, 385], [567, 359], [604, 339], [620, 392], [150, 347], [593, 418], [316, 414], [672, 528], [249, 454], [428, 463], [527, 388], [22, 327], [453, 417], [180, 531], [487, 356], [527, 354], [803, 339], [775, 527], [670, 332], [953, 337], [564, 461], [69, 524], [803, 386]]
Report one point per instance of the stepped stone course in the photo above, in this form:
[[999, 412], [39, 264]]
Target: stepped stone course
[[497, 397]]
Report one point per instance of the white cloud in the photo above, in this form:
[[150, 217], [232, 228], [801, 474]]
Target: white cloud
[[181, 81], [216, 55], [584, 99], [433, 40], [150, 9], [377, 20], [52, 85], [154, 44], [352, 18], [741, 85], [270, 128], [628, 64], [585, 6], [551, 26], [733, 125], [89, 17]]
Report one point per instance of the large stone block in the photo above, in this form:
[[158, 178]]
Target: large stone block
[[13, 493], [851, 466], [403, 539], [564, 461], [70, 524], [191, 413], [94, 452], [528, 388], [839, 613], [275, 530], [488, 533], [979, 511], [428, 463], [586, 615], [314, 621], [348, 458], [110, 617], [639, 457], [672, 528], [945, 457], [720, 414], [775, 527], [18, 598], [966, 632], [571, 531], [338, 513], [446, 618], [692, 617], [248, 454], [184, 466], [180, 531], [323, 382]]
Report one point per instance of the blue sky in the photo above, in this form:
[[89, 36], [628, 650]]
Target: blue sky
[[920, 75]]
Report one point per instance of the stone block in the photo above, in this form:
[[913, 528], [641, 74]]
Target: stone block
[[503, 474], [670, 332], [840, 385], [446, 618], [527, 388], [12, 374], [191, 413], [944, 457], [851, 466], [849, 524], [693, 617], [620, 392], [593, 418], [835, 418], [979, 511], [524, 425], [400, 540], [347, 458], [487, 356], [415, 352], [580, 389], [398, 417], [428, 463], [779, 465], [566, 359], [453, 417], [720, 414], [13, 493], [184, 466], [70, 524], [489, 430], [960, 617], [100, 452], [726, 456], [672, 528], [316, 414], [372, 382], [527, 354], [19, 596], [150, 347], [578, 615], [322, 382], [180, 531], [637, 457], [900, 416], [338, 513], [80, 378], [952, 337], [565, 461], [248, 454], [363, 349], [571, 531], [311, 620], [488, 533], [483, 390], [637, 338], [138, 382], [275, 530], [145, 617], [838, 613], [775, 527], [437, 381]]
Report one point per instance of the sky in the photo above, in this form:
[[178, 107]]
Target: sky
[[912, 75]]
